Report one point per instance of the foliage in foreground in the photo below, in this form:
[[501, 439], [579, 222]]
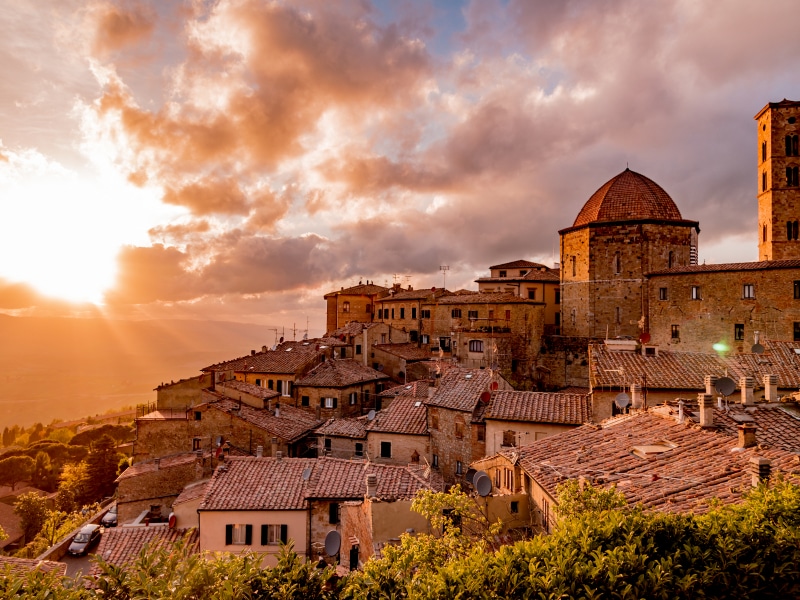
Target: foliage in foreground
[[600, 550]]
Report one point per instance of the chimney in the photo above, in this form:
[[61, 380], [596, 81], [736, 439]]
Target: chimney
[[747, 435], [277, 410], [711, 381], [279, 455], [706, 402], [259, 451], [157, 461], [636, 395], [771, 388], [372, 485], [747, 384], [274, 444], [252, 352], [760, 470]]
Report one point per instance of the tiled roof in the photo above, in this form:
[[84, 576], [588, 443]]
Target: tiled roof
[[698, 466], [340, 373], [687, 370], [165, 462], [365, 289], [290, 424], [406, 414], [193, 491], [460, 389], [10, 523], [352, 328], [415, 389], [288, 357], [539, 407], [407, 351], [279, 484], [121, 546], [628, 196], [574, 389], [22, 566], [484, 298], [519, 264], [725, 267], [344, 427], [249, 388]]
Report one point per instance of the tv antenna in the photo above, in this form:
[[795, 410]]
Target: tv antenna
[[444, 269]]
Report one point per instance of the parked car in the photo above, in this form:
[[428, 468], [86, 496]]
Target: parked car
[[110, 518], [87, 537]]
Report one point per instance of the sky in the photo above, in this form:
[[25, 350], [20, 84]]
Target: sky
[[238, 159]]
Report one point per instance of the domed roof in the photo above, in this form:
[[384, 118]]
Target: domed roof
[[628, 197]]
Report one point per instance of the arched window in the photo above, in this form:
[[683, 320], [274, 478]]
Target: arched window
[[671, 259], [792, 179], [763, 233], [764, 181], [763, 151], [792, 145], [788, 230], [345, 306], [615, 264]]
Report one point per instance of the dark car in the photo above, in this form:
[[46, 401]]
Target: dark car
[[110, 518], [84, 540]]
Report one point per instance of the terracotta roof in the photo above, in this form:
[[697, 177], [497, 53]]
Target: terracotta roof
[[460, 389], [694, 466], [279, 484], [726, 267], [415, 389], [548, 275], [484, 298], [340, 373], [121, 546], [519, 264], [426, 294], [406, 414], [407, 351], [352, 328], [365, 289], [344, 427], [574, 389], [10, 523], [192, 491], [249, 388], [628, 196], [22, 566], [291, 423], [687, 370], [288, 357], [539, 407], [165, 462]]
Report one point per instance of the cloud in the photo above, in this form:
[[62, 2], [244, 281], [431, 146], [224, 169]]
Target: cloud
[[116, 27]]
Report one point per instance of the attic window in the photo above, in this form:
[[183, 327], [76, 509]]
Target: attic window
[[653, 450]]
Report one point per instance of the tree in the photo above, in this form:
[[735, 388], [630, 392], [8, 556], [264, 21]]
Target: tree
[[15, 469], [579, 497], [7, 436], [71, 494], [32, 510], [44, 476], [101, 468]]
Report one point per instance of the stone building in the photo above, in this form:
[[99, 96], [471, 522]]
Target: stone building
[[404, 309], [356, 303], [357, 339], [399, 433], [342, 438]]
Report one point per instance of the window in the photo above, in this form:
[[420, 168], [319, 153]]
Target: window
[[333, 513], [195, 444], [434, 418], [393, 313], [480, 433], [763, 151], [328, 403], [270, 384], [369, 309], [425, 338], [476, 345], [402, 312], [558, 296], [763, 233], [435, 464], [502, 274], [617, 315], [444, 343], [738, 331], [353, 398], [258, 382], [676, 332], [696, 292], [792, 177], [671, 259], [514, 507], [792, 145], [472, 314], [508, 438], [616, 263], [198, 415], [545, 515], [572, 259], [346, 307], [791, 230], [359, 449], [662, 294], [508, 315], [531, 294], [425, 313], [327, 445], [796, 331], [280, 386], [304, 401], [455, 313], [523, 272], [343, 352], [272, 535], [763, 181], [558, 319], [239, 535], [491, 314], [413, 312], [383, 338], [748, 290], [459, 467], [358, 349], [459, 430], [287, 391], [386, 449], [380, 313], [797, 290]]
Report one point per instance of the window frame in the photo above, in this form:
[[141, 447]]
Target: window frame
[[738, 332], [675, 331], [748, 291], [455, 313], [475, 346], [696, 293], [663, 293], [385, 449]]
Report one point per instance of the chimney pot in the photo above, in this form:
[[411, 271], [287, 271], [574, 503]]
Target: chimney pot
[[706, 402], [636, 395], [711, 381], [259, 451], [372, 485], [771, 388], [747, 384], [760, 470], [279, 455], [747, 435]]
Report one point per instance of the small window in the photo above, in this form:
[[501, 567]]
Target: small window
[[258, 382], [280, 386], [796, 331], [480, 434], [676, 332], [509, 438], [573, 266], [455, 313], [531, 294], [748, 290], [393, 313], [763, 151], [327, 445], [435, 463], [738, 331], [343, 352], [696, 292], [514, 507], [402, 312], [459, 467], [671, 259], [369, 309], [425, 338], [763, 181], [491, 315], [476, 345], [502, 274], [270, 384], [272, 535], [508, 315], [386, 449], [195, 444], [444, 343], [329, 402], [472, 314], [333, 513], [413, 312], [353, 398], [523, 272], [434, 419], [359, 449], [616, 263], [425, 313], [617, 315], [797, 290], [763, 233], [304, 401], [238, 535], [792, 176], [558, 296], [198, 415], [346, 307], [380, 313], [792, 145], [358, 349], [459, 430], [663, 294], [383, 338]]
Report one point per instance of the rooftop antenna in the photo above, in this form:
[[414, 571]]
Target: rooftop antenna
[[444, 269]]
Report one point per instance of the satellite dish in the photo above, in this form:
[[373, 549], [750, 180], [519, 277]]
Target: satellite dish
[[484, 486], [370, 415], [644, 337], [333, 541], [470, 475], [725, 386], [485, 397], [306, 474], [622, 400], [757, 349], [477, 475]]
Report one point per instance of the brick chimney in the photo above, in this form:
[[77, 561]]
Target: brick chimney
[[771, 388], [747, 384], [274, 444], [747, 435], [636, 395], [706, 402], [372, 485], [259, 451], [711, 381], [760, 470]]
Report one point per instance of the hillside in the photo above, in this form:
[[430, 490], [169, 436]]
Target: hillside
[[63, 368]]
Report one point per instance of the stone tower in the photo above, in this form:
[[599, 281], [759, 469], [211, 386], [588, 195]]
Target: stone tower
[[629, 227], [778, 189]]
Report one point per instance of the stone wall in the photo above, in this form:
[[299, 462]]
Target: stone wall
[[183, 394], [448, 446], [563, 361], [365, 400], [403, 448]]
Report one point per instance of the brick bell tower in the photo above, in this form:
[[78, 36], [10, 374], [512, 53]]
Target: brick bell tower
[[778, 182]]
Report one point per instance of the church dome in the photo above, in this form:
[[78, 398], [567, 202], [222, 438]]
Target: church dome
[[628, 197]]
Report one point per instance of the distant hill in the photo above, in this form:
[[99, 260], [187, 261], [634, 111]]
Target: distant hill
[[65, 368]]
